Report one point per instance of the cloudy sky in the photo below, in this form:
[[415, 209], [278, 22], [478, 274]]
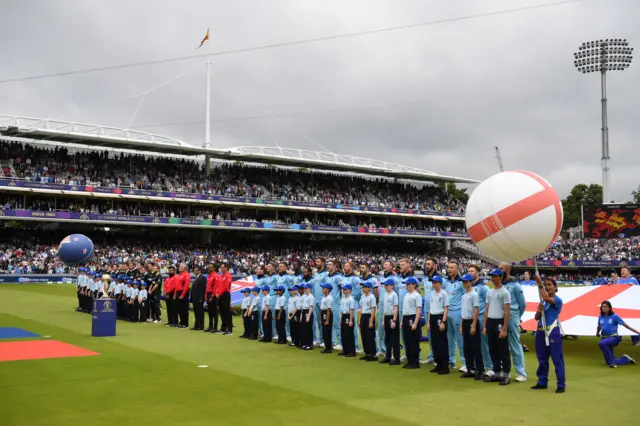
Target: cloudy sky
[[439, 96]]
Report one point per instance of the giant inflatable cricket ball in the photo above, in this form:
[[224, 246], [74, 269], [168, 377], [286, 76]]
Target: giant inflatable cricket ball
[[75, 249], [514, 215]]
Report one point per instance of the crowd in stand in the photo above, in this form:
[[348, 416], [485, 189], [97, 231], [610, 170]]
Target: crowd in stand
[[10, 201], [94, 168], [594, 249]]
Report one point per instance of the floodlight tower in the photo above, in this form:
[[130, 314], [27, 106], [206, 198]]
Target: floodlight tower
[[602, 56]]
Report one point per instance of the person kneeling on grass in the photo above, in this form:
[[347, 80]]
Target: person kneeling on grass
[[608, 328], [551, 306]]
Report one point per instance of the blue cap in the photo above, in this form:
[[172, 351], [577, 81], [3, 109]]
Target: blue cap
[[411, 280], [326, 285], [256, 288], [367, 284], [143, 284], [389, 281], [467, 277], [293, 288], [265, 288], [136, 282], [246, 290], [347, 287], [308, 285], [436, 279], [496, 272], [280, 288]]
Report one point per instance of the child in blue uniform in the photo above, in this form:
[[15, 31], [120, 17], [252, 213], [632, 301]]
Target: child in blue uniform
[[326, 317], [293, 316], [281, 316], [496, 327], [142, 302], [246, 301], [367, 322], [608, 323], [551, 305], [411, 309], [347, 312], [267, 335], [253, 312], [307, 317], [389, 303], [470, 330]]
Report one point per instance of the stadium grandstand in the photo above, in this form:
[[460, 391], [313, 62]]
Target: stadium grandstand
[[121, 187]]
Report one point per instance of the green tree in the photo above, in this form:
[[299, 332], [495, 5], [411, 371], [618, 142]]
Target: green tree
[[581, 194], [459, 194], [636, 196]]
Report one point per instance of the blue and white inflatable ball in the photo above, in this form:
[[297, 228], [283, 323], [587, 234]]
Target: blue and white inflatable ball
[[75, 249]]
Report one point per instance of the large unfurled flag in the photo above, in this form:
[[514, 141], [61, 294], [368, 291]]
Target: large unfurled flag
[[206, 37]]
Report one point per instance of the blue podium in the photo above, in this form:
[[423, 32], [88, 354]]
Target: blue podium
[[103, 318]]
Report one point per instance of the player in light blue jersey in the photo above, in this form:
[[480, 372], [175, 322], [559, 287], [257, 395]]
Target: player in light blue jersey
[[527, 279], [387, 273], [319, 278], [261, 281], [518, 306], [626, 278], [452, 284], [334, 277], [481, 288], [349, 277]]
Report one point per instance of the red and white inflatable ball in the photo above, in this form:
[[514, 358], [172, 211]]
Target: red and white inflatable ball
[[514, 215]]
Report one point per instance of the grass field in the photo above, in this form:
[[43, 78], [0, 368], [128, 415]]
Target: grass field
[[149, 374]]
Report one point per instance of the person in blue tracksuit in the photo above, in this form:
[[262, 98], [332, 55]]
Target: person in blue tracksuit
[[272, 278], [551, 306], [261, 281], [600, 279], [349, 277], [387, 274], [608, 323], [334, 277], [481, 288], [527, 279], [452, 284], [430, 271], [319, 278], [518, 306], [283, 279], [626, 278]]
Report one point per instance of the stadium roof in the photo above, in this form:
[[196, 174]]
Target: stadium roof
[[68, 132]]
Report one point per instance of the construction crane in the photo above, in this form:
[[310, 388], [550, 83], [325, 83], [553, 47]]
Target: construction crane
[[499, 158]]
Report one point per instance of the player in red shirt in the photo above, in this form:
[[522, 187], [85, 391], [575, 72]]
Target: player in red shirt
[[212, 302], [170, 298], [223, 295], [183, 282]]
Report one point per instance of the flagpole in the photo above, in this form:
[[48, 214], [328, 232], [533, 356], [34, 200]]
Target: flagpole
[[207, 125]]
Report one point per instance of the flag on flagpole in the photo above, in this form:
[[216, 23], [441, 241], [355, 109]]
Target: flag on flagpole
[[206, 37]]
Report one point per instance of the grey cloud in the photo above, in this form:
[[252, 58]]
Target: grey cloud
[[437, 97]]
